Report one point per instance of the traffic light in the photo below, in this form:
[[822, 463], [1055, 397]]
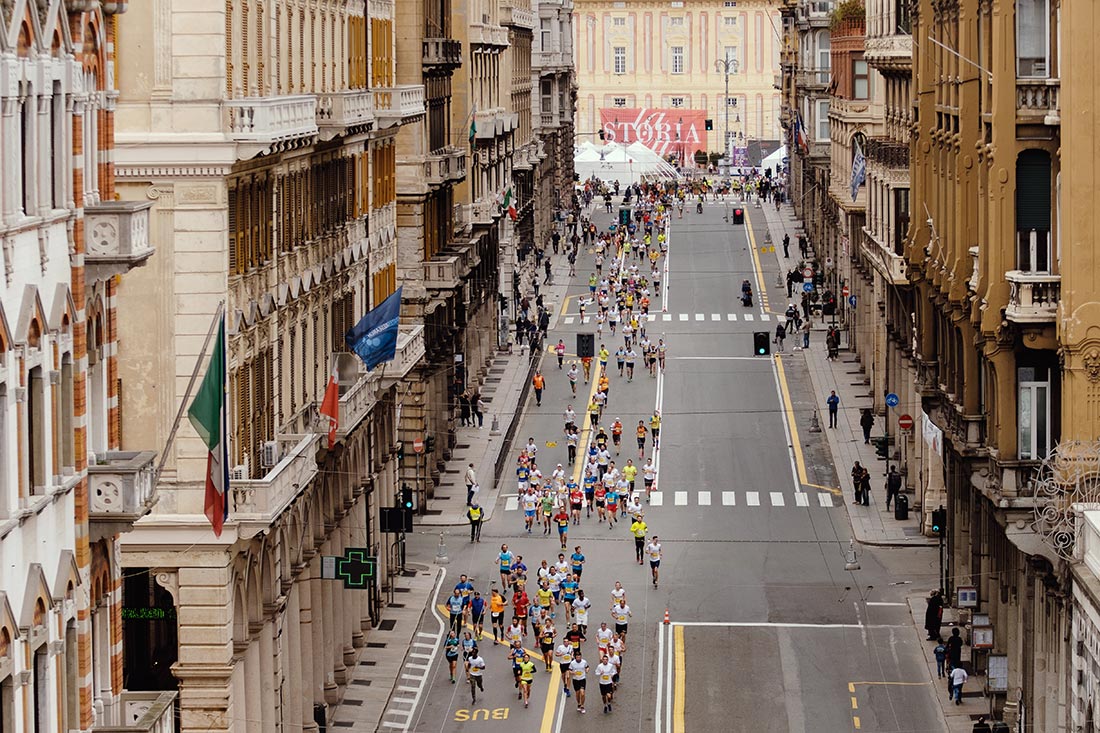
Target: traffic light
[[429, 443], [586, 345], [408, 498], [738, 215], [709, 124], [939, 521], [761, 343]]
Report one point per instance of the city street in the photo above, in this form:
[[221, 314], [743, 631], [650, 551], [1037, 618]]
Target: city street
[[769, 631]]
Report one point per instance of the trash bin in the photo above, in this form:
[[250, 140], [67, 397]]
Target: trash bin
[[901, 507]]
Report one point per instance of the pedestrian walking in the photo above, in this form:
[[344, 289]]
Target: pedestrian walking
[[833, 402], [865, 487], [933, 616], [471, 482], [786, 240], [474, 514], [806, 334], [981, 726], [954, 646], [893, 486], [940, 652], [958, 679], [479, 409], [539, 383], [866, 421], [857, 481], [803, 246]]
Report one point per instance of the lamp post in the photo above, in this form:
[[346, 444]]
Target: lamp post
[[726, 67]]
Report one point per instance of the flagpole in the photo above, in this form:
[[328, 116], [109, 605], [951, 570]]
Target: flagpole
[[187, 394]]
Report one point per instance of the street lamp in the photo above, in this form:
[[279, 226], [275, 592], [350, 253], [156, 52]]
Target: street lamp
[[726, 67]]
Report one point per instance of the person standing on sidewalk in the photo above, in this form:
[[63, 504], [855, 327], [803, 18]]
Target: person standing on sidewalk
[[786, 246], [866, 421], [933, 617], [471, 482], [833, 402], [474, 514], [780, 336], [857, 481], [893, 486], [806, 334], [539, 383]]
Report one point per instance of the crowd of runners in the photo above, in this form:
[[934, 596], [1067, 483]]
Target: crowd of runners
[[547, 609]]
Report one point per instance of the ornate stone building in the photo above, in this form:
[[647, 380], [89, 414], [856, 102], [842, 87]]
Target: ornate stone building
[[552, 61], [264, 134], [67, 492]]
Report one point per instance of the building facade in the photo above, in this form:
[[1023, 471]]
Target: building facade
[[67, 491], [264, 136], [653, 55]]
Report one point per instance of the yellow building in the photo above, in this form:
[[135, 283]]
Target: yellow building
[[653, 55]]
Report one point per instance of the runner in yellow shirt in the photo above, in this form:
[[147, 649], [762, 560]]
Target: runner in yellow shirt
[[526, 675], [639, 529]]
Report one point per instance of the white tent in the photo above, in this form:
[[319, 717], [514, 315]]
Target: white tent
[[613, 162], [775, 160]]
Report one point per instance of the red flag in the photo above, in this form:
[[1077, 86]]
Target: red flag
[[330, 407]]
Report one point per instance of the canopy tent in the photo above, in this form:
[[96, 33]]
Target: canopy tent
[[775, 160], [614, 162]]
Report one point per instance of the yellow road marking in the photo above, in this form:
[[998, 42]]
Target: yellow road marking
[[678, 689], [855, 704], [851, 685], [586, 423], [565, 304], [551, 700], [788, 407], [756, 264], [855, 721]]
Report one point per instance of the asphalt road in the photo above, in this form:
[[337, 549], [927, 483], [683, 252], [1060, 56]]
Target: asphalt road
[[769, 631]]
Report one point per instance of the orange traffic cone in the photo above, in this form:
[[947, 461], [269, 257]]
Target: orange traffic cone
[[667, 621]]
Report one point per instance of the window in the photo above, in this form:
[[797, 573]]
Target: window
[[731, 56], [677, 102], [546, 41], [620, 59], [729, 21], [824, 59], [676, 21], [901, 219], [731, 4], [677, 59], [618, 22], [1032, 38], [1033, 413], [36, 431], [861, 83], [731, 102], [619, 101], [823, 119], [1033, 211]]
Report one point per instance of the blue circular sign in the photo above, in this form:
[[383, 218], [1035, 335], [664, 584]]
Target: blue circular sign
[[892, 400], [807, 287], [852, 300]]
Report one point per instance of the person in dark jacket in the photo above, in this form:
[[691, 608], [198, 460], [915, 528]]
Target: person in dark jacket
[[933, 615], [954, 646], [866, 421]]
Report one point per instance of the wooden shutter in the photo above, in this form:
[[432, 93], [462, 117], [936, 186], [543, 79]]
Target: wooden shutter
[[233, 195], [244, 415]]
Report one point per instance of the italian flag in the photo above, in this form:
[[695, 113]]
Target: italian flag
[[510, 203], [207, 416]]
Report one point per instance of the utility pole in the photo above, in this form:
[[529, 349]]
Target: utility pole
[[726, 67]]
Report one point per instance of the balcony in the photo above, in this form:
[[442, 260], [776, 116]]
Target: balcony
[[338, 111], [484, 34], [548, 119], [484, 212], [442, 52], [257, 503], [141, 712], [814, 13], [461, 218], [269, 120], [549, 59], [518, 17], [359, 399], [1037, 101], [398, 104], [494, 122], [446, 165], [891, 266], [889, 53], [814, 79], [117, 237], [443, 272], [1033, 297], [121, 489], [410, 351]]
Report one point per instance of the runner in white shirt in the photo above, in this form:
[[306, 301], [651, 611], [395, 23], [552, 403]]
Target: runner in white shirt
[[649, 475], [622, 615], [564, 655], [570, 415], [618, 593], [530, 502], [605, 674], [603, 638], [617, 647], [578, 673], [532, 449], [580, 611], [514, 632], [558, 475], [475, 669], [653, 549]]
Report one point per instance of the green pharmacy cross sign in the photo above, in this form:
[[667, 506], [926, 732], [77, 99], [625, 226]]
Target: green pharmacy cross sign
[[355, 568]]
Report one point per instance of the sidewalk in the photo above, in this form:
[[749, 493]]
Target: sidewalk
[[871, 525]]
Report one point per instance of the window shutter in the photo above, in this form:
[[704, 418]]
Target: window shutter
[[1033, 197], [233, 230]]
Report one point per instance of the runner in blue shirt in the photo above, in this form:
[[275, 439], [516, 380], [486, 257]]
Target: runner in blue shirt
[[465, 589], [569, 588], [456, 605], [577, 561], [589, 491], [477, 614], [505, 561]]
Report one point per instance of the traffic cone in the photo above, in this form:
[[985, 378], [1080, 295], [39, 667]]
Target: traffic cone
[[667, 621]]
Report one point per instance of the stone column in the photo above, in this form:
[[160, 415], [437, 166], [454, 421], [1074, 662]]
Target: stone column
[[268, 678], [318, 656], [349, 610], [307, 653], [291, 659], [254, 681], [332, 637]]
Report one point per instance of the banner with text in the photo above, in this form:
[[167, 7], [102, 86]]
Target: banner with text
[[664, 131]]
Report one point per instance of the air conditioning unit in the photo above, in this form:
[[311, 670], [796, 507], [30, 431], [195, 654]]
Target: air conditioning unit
[[238, 473], [269, 456]]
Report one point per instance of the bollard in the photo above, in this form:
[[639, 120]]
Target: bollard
[[494, 429], [815, 424], [850, 562], [441, 552]]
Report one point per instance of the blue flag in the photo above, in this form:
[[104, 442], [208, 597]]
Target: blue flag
[[374, 338], [859, 170]]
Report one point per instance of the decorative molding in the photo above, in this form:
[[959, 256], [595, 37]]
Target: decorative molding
[[170, 581], [162, 44], [147, 172]]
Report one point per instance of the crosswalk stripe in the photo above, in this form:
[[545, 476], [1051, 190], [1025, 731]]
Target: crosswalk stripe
[[651, 317], [715, 316], [656, 498], [704, 498], [729, 498], [825, 499], [801, 499], [777, 498], [765, 317], [586, 319], [700, 317], [666, 317], [748, 316], [680, 498], [752, 498], [731, 316], [683, 316], [511, 504], [569, 320]]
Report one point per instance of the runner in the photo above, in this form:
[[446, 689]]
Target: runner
[[497, 603], [630, 472], [521, 603], [456, 606], [477, 614], [515, 633], [649, 476], [617, 434], [653, 549], [622, 616], [475, 669], [580, 611], [586, 364], [563, 654], [569, 586], [576, 500], [547, 502], [605, 672], [655, 428], [526, 676], [618, 593], [641, 433], [562, 518], [577, 562], [572, 375], [450, 652], [530, 502], [639, 529], [546, 643], [612, 498], [578, 672], [603, 638]]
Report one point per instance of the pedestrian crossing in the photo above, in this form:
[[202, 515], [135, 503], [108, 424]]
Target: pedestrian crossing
[[681, 317], [775, 499]]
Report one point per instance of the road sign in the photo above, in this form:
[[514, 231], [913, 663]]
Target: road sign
[[852, 300], [355, 568], [845, 291], [905, 422], [418, 445], [828, 261], [807, 287], [808, 272], [892, 400]]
